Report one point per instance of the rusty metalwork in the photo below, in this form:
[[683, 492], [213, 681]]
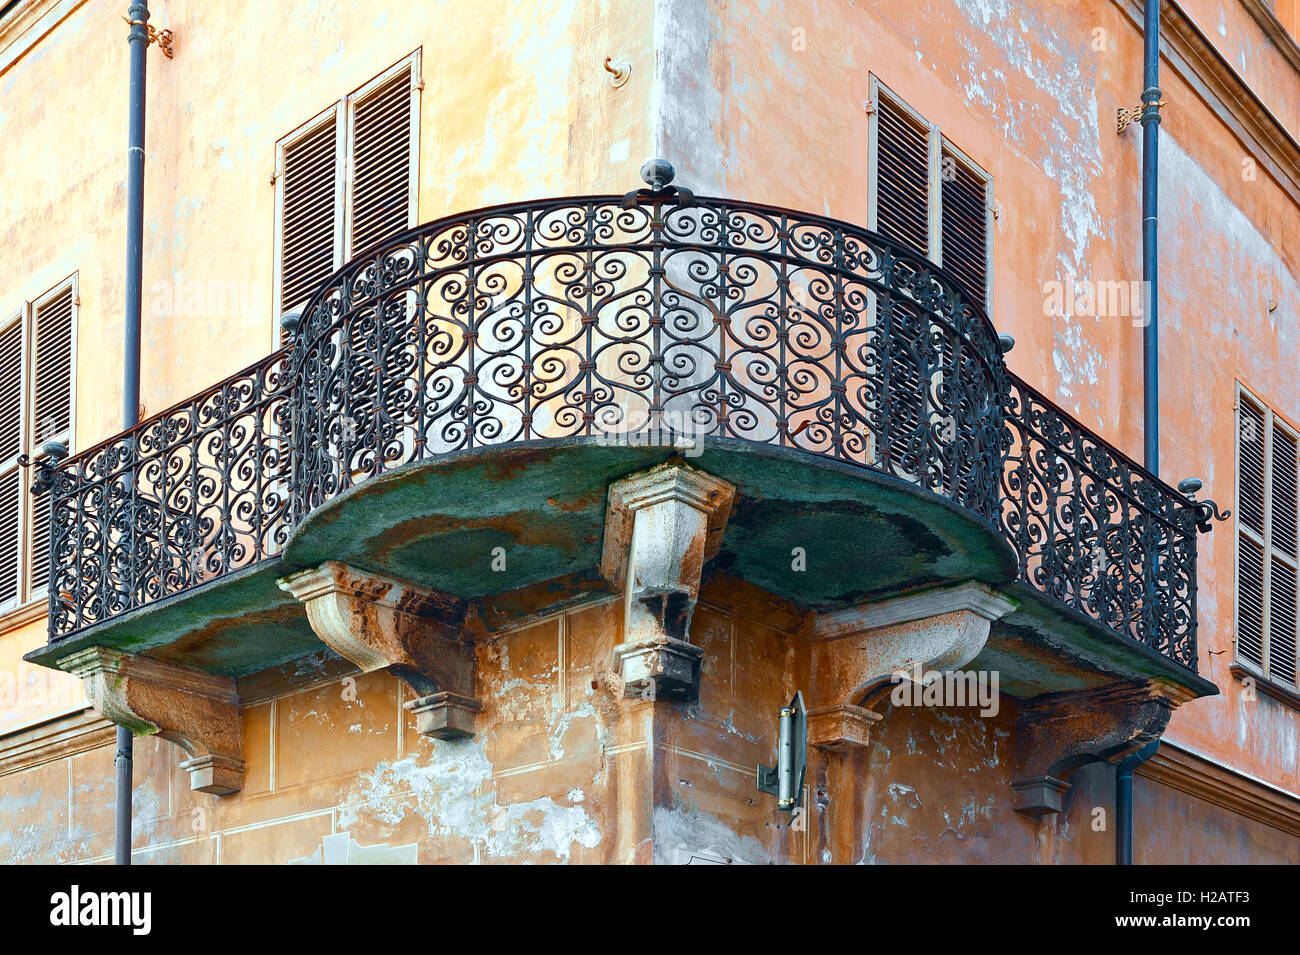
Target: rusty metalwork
[[656, 313]]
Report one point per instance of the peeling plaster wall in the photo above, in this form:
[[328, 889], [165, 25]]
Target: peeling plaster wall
[[560, 772], [1029, 91], [516, 105]]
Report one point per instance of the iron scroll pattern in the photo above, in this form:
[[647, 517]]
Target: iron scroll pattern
[[679, 318], [187, 496], [1098, 532], [660, 319]]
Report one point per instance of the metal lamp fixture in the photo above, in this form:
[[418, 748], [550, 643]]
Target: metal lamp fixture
[[785, 779]]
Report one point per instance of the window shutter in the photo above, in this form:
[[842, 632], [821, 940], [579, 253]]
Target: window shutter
[[10, 489], [1284, 492], [1250, 455], [1282, 622], [1250, 601], [902, 177], [53, 358], [964, 233], [308, 216], [38, 562], [1250, 514], [11, 391], [381, 163]]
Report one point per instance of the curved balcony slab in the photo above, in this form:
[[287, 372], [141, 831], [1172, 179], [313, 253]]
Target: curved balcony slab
[[536, 512], [233, 625]]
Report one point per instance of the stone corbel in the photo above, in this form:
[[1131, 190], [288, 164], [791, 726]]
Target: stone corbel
[[1058, 732], [380, 623], [661, 526], [198, 711], [860, 652]]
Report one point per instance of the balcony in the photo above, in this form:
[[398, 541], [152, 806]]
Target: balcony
[[457, 402]]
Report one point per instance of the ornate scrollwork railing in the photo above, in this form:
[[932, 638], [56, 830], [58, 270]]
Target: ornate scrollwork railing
[[689, 318], [654, 314], [1097, 531], [188, 496]]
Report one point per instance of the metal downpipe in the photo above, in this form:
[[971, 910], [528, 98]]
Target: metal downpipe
[[138, 39]]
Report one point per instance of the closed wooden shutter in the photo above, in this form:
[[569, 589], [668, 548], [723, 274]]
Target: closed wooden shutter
[[902, 177], [10, 489], [1250, 517], [11, 443], [1250, 601], [52, 323], [1283, 506], [1283, 523], [964, 227], [11, 391], [381, 169], [1250, 458], [308, 218], [1268, 558]]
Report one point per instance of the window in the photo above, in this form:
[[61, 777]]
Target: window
[[36, 406], [344, 181], [924, 193], [1268, 509]]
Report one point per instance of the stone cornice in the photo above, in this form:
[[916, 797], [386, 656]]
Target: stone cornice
[[53, 740], [1286, 44], [1223, 787], [28, 24], [1204, 69]]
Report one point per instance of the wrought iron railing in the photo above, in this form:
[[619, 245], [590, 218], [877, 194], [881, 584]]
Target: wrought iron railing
[[1098, 532], [185, 497], [590, 318]]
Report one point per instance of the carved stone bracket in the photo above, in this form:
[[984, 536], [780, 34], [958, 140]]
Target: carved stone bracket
[[1058, 732], [835, 729], [198, 711], [861, 651], [661, 525], [380, 623]]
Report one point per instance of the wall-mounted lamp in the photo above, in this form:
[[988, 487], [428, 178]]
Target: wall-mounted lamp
[[785, 779]]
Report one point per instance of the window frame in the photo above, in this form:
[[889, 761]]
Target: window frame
[[1262, 671], [29, 442], [342, 113], [937, 144]]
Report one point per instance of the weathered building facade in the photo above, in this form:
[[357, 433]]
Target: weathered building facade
[[491, 500]]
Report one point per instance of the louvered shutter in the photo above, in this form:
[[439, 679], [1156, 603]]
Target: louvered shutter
[[52, 391], [1283, 523], [10, 489], [381, 169], [1283, 581], [1250, 601], [1250, 514], [964, 227], [902, 177], [1250, 456], [11, 438], [309, 215], [11, 391]]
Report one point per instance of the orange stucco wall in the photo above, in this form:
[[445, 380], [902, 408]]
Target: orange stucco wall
[[761, 102]]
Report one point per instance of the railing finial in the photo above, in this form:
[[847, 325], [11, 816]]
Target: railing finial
[[658, 174], [1206, 511], [51, 453]]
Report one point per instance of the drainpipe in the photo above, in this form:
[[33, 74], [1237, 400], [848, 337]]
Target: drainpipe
[[1150, 165], [1150, 120], [1124, 801], [138, 39]]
